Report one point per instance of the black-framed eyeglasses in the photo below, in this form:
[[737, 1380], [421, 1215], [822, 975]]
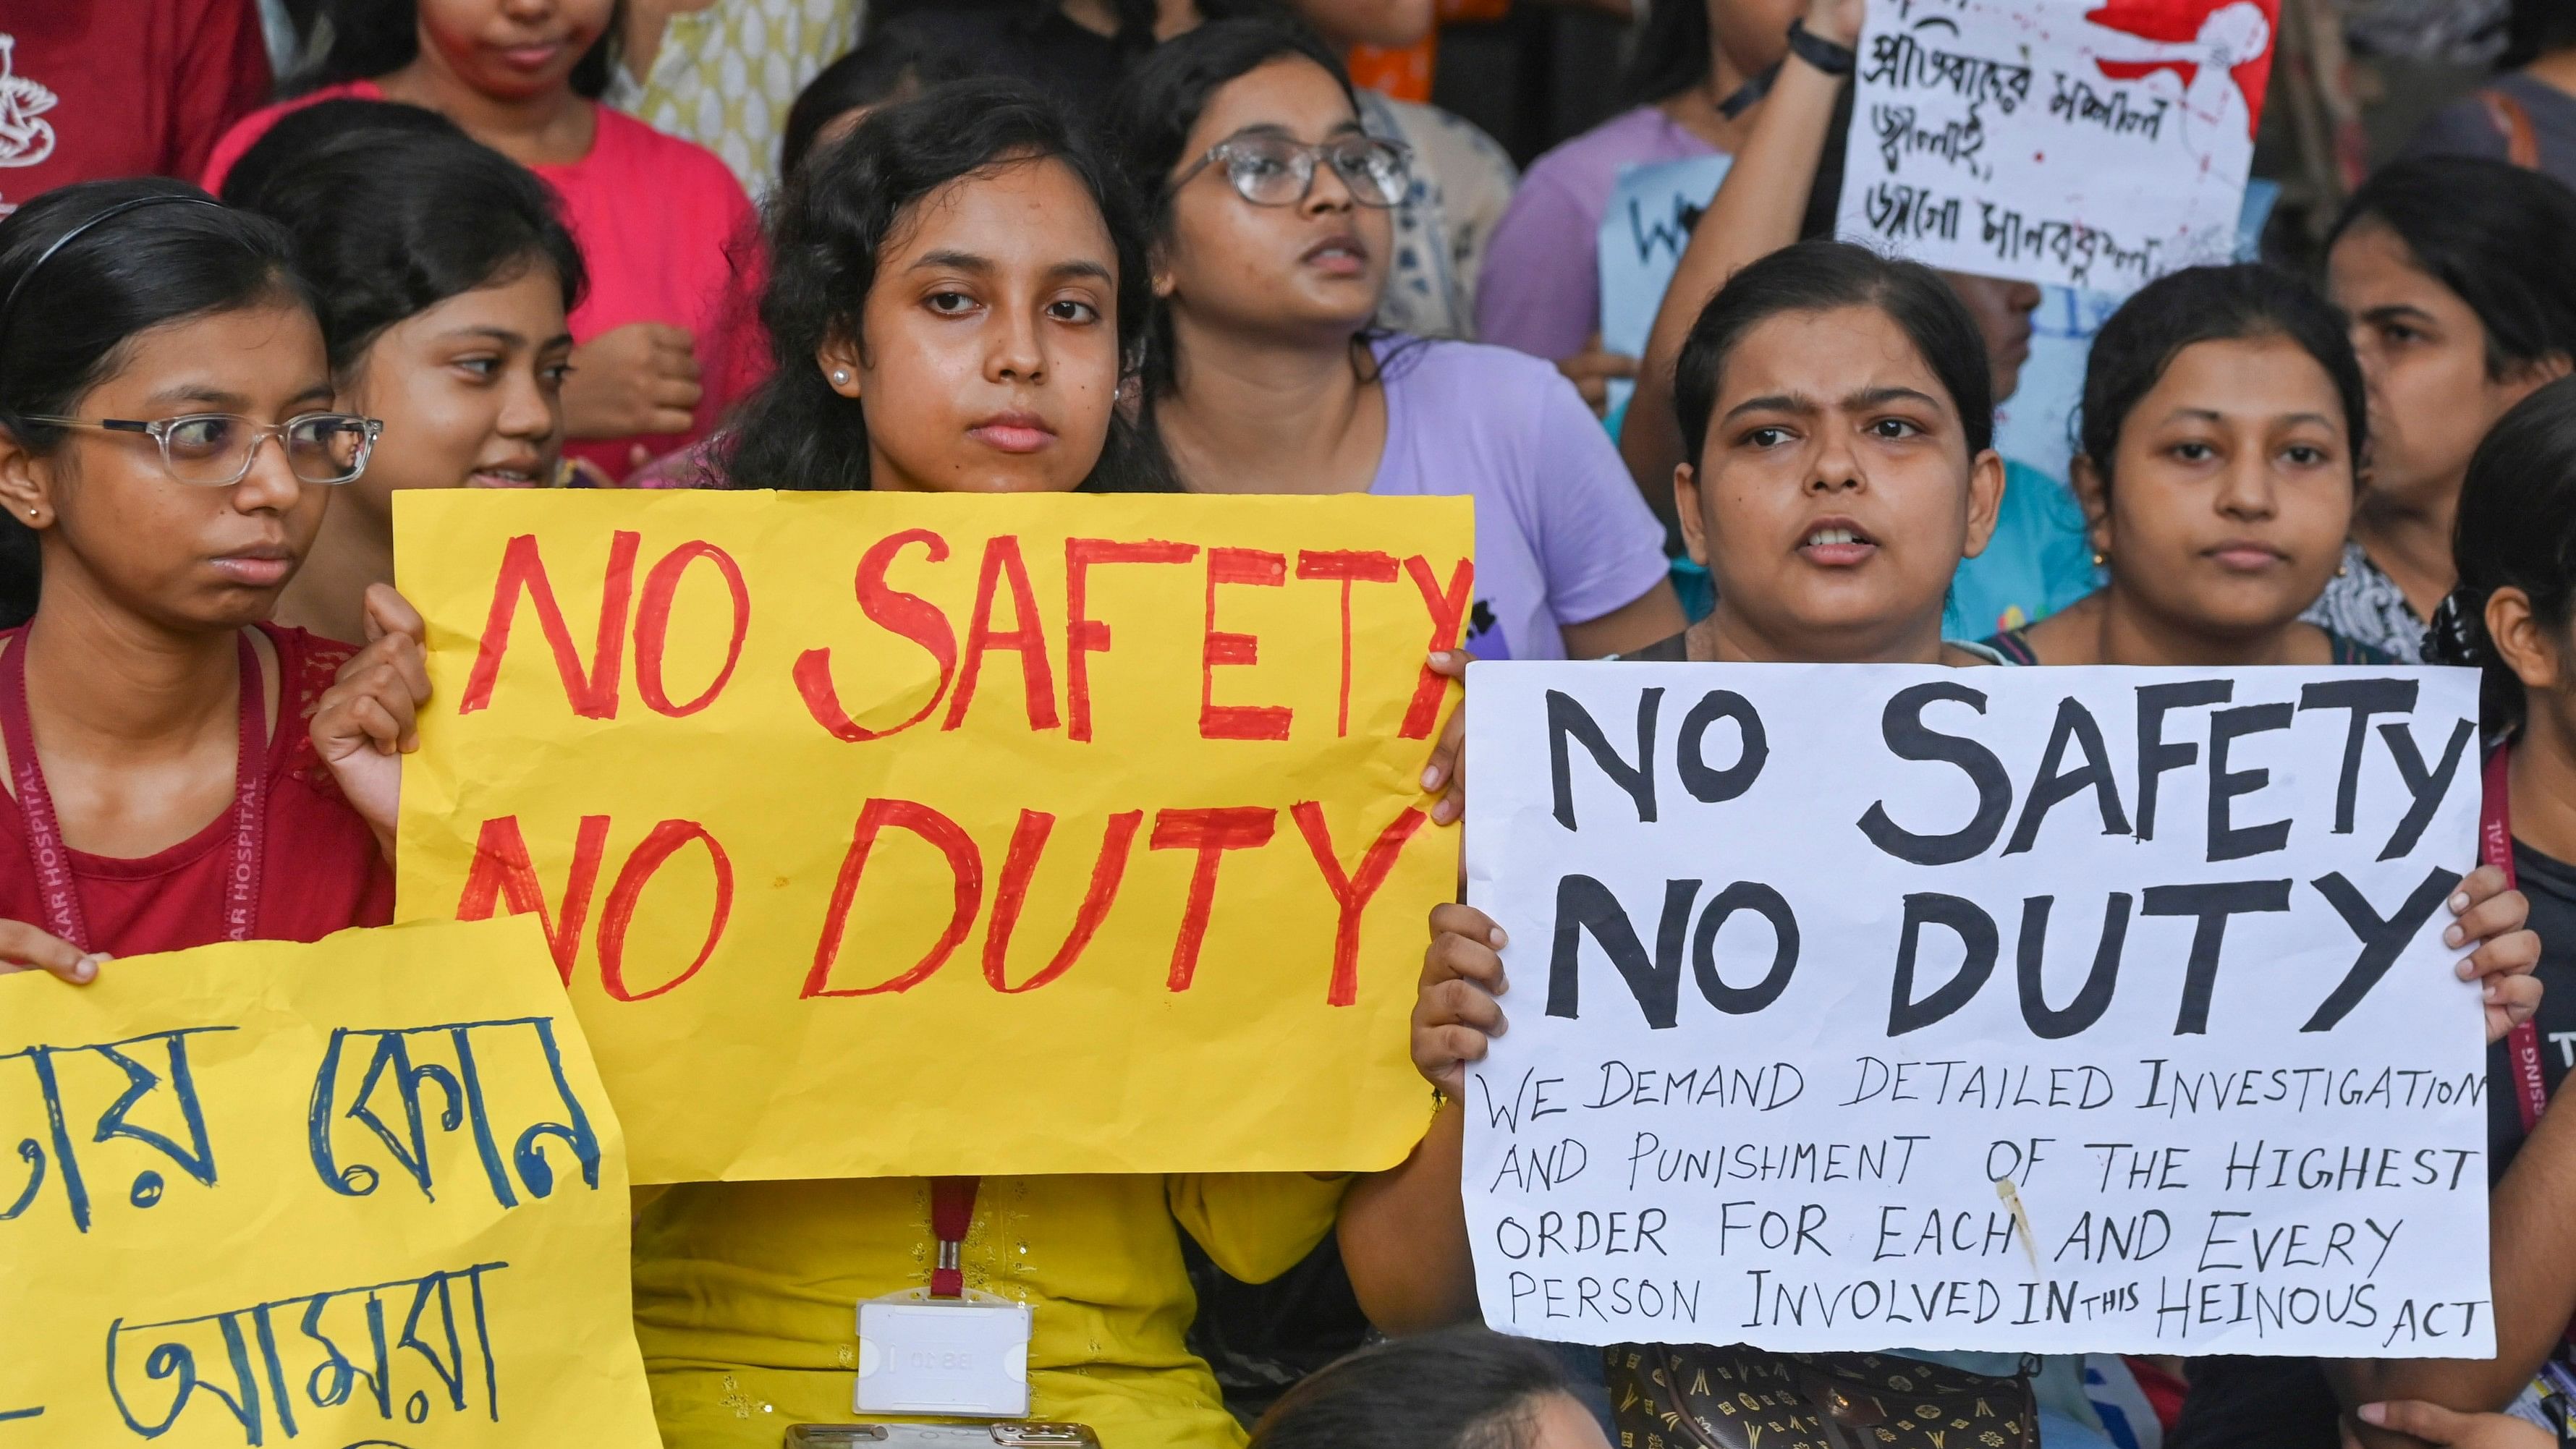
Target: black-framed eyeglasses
[[1278, 171], [215, 450]]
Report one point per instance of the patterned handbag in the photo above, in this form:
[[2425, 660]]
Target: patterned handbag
[[1686, 1397]]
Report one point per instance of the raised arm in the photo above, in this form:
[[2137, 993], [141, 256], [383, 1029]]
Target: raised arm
[[1404, 1236], [1755, 213]]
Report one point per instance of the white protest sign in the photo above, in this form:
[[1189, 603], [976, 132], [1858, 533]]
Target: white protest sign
[[1652, 211], [2028, 1010], [2031, 426], [2075, 142]]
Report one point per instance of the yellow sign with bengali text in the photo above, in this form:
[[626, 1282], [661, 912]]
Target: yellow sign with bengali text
[[368, 1192], [889, 834]]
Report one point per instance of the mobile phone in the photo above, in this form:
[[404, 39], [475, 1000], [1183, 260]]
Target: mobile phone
[[1016, 1434]]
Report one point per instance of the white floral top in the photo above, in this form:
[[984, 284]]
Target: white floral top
[[2366, 606], [725, 76], [1462, 183]]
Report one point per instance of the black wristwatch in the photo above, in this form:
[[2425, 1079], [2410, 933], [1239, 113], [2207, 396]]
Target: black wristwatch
[[1819, 52]]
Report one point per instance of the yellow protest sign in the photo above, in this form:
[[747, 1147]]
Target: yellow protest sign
[[885, 834], [367, 1191]]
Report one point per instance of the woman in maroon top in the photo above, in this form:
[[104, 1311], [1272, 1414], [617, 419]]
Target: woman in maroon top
[[167, 429]]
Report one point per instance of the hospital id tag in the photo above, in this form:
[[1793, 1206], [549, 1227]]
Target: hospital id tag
[[925, 1355]]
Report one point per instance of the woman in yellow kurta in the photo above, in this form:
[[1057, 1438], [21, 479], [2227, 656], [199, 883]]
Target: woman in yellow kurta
[[904, 273], [746, 1293]]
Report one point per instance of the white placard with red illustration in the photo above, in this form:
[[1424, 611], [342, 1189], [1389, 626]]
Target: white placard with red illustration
[[2070, 142]]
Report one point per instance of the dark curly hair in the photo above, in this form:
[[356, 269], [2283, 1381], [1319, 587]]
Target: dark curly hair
[[829, 224], [2516, 529], [391, 219]]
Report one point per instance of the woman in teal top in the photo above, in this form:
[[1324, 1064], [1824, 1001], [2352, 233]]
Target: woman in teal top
[[2038, 562]]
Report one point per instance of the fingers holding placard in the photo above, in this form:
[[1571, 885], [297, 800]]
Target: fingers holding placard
[[1462, 977]]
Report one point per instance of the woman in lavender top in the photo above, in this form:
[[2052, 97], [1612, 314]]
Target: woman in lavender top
[[1271, 207]]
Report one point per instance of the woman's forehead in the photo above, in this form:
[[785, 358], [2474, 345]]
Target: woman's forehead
[[2260, 379], [1290, 93], [249, 356], [1032, 212], [1825, 355]]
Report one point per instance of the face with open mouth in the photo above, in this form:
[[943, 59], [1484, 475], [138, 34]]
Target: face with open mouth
[[2228, 500], [1835, 493], [1317, 264]]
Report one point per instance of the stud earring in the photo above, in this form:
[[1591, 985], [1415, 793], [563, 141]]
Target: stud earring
[[2100, 558], [840, 377], [2343, 570]]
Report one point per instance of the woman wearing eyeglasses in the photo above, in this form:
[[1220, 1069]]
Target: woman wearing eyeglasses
[[166, 429], [1272, 244]]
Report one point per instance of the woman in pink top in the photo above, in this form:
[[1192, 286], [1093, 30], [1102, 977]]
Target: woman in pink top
[[666, 338]]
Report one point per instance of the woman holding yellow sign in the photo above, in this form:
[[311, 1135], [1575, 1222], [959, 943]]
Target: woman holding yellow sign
[[958, 295]]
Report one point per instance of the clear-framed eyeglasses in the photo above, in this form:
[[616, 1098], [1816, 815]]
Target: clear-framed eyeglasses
[[215, 450], [1269, 170]]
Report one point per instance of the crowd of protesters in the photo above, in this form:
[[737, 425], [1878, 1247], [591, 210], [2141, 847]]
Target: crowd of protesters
[[1118, 246]]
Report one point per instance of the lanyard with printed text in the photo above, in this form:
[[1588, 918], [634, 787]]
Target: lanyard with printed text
[[2495, 847], [54, 881]]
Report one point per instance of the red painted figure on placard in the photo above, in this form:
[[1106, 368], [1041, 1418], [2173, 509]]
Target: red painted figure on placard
[[2218, 51]]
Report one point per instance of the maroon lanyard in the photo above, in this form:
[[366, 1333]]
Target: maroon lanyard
[[2522, 1044], [2495, 847], [54, 880], [952, 1212]]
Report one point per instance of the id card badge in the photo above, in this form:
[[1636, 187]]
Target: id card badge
[[967, 1357]]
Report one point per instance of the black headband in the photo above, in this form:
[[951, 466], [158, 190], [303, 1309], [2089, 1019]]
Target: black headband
[[9, 305]]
